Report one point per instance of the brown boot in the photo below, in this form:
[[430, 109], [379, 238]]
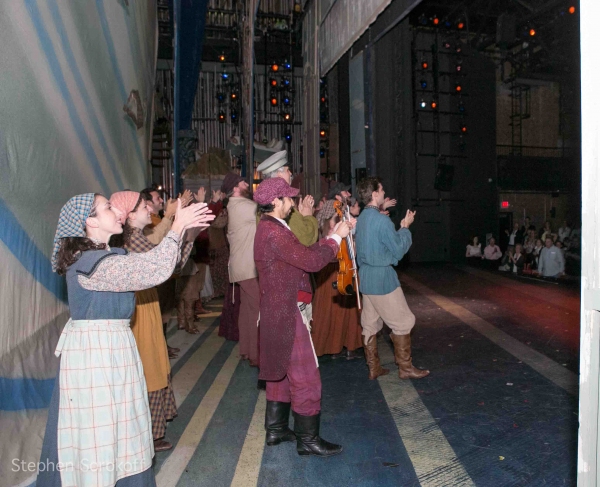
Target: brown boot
[[372, 358], [181, 319], [190, 317], [406, 370]]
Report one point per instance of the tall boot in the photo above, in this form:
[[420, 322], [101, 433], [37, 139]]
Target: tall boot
[[406, 370], [372, 357], [190, 317], [309, 441], [277, 418], [181, 319]]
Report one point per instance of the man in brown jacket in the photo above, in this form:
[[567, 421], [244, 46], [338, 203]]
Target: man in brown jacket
[[241, 229]]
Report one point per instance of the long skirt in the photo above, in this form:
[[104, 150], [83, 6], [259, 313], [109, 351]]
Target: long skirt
[[219, 259], [228, 325], [336, 319], [162, 409]]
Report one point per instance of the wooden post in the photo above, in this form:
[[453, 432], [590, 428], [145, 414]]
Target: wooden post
[[310, 130], [248, 86]]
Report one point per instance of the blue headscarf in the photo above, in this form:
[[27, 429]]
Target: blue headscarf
[[71, 221]]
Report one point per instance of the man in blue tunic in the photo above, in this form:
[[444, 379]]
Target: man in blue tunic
[[380, 247]]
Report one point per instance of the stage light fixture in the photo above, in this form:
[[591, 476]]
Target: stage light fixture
[[434, 105], [424, 64], [225, 75], [447, 45], [274, 101], [222, 116], [287, 65], [532, 32], [423, 84], [436, 21], [275, 67], [222, 57], [323, 134], [287, 100], [234, 116], [463, 128], [288, 137], [220, 97], [458, 88], [322, 152], [458, 48], [461, 25], [286, 116], [234, 95], [423, 104], [273, 82], [458, 68], [323, 99], [285, 82], [572, 9]]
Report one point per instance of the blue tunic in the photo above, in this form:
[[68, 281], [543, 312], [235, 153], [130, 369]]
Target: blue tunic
[[379, 247]]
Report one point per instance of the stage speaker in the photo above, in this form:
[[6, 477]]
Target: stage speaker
[[443, 177], [506, 29]]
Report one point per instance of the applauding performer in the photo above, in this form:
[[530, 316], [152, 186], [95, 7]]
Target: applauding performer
[[379, 248], [287, 359]]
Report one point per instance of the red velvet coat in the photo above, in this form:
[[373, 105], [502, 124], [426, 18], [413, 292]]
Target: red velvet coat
[[283, 264]]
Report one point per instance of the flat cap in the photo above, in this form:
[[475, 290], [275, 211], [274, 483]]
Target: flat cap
[[274, 162], [273, 188]]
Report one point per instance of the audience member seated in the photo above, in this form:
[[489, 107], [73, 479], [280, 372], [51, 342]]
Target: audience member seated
[[547, 232], [491, 255], [514, 237], [551, 262], [517, 259], [536, 253], [474, 252], [564, 231]]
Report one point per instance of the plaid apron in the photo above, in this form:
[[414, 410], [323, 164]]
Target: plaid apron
[[104, 427]]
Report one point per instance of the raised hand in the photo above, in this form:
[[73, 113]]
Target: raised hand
[[217, 194], [408, 219], [388, 203], [201, 195], [305, 206], [170, 208], [196, 215], [186, 198]]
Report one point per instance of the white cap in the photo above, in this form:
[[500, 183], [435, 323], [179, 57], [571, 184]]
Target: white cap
[[274, 162]]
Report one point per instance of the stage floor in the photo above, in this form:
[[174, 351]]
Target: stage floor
[[499, 408]]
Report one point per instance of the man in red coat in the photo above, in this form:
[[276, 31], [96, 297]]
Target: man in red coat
[[287, 359]]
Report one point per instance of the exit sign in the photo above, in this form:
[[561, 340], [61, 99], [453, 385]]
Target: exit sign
[[505, 204]]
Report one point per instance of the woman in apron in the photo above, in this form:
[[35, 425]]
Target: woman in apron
[[99, 431]]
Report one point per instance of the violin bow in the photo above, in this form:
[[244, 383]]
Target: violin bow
[[352, 249]]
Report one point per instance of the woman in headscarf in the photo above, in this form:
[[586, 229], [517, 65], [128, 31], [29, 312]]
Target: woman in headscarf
[[99, 429], [146, 323], [336, 320]]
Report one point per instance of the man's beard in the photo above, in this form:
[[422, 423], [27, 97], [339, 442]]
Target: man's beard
[[245, 193]]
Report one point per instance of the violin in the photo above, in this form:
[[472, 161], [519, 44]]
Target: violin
[[347, 278]]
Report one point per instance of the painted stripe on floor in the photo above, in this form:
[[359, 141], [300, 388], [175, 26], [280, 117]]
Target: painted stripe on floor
[[433, 459], [547, 367], [184, 341], [174, 466], [554, 297], [185, 379], [248, 466]]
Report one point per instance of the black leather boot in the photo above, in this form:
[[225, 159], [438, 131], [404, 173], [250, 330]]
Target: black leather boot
[[277, 418], [309, 441]]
